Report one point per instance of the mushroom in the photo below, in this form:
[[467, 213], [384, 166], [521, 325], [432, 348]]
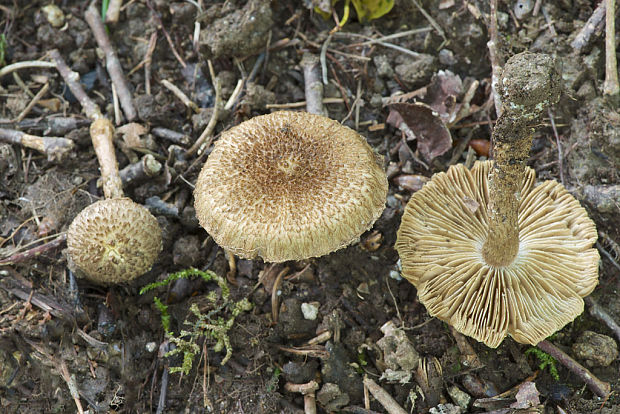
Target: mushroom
[[490, 252], [289, 186], [113, 240]]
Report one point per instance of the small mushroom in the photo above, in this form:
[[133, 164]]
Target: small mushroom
[[289, 186], [490, 252], [114, 240]]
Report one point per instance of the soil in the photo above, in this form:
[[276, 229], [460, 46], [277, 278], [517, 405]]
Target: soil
[[64, 345]]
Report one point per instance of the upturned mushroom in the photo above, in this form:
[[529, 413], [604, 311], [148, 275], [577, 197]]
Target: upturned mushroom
[[490, 252], [113, 240], [289, 186]]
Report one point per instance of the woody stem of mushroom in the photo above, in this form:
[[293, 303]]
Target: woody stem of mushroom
[[511, 145], [101, 134], [529, 84]]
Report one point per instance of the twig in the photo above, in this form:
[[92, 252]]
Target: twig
[[72, 79], [170, 135], [35, 251], [598, 387], [73, 389], [181, 95], [275, 304], [496, 63], [599, 313], [147, 167], [430, 19], [593, 26], [558, 144], [301, 104], [313, 84], [469, 358], [307, 390], [101, 130], [33, 102], [610, 86], [235, 95], [207, 134], [388, 37], [56, 148], [385, 399], [323, 59], [113, 65], [24, 65], [536, 8], [114, 11]]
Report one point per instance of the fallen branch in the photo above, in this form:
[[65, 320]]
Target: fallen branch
[[56, 148], [112, 63], [385, 399], [598, 387]]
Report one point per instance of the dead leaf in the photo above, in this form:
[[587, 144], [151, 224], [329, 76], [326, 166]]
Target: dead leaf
[[131, 134], [419, 121], [527, 396], [410, 182], [442, 92]]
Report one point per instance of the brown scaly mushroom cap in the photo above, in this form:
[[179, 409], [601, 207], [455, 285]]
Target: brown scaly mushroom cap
[[114, 241], [440, 242], [288, 186]]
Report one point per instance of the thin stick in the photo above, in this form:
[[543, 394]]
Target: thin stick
[[24, 65], [73, 389], [56, 148], [72, 79], [33, 102], [385, 399], [113, 65], [35, 251], [558, 144], [307, 390], [101, 130], [114, 11], [610, 87], [496, 62], [313, 84], [600, 314], [181, 95], [593, 26], [301, 104], [598, 387], [200, 143]]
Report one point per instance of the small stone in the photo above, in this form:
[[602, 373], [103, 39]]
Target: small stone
[[150, 346], [399, 355], [310, 310], [446, 409], [331, 398], [595, 349], [298, 372], [460, 397]]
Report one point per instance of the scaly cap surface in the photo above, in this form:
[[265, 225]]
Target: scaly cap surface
[[288, 186], [114, 241]]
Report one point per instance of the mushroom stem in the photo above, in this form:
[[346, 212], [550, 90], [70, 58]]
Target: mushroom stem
[[529, 85], [101, 134]]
